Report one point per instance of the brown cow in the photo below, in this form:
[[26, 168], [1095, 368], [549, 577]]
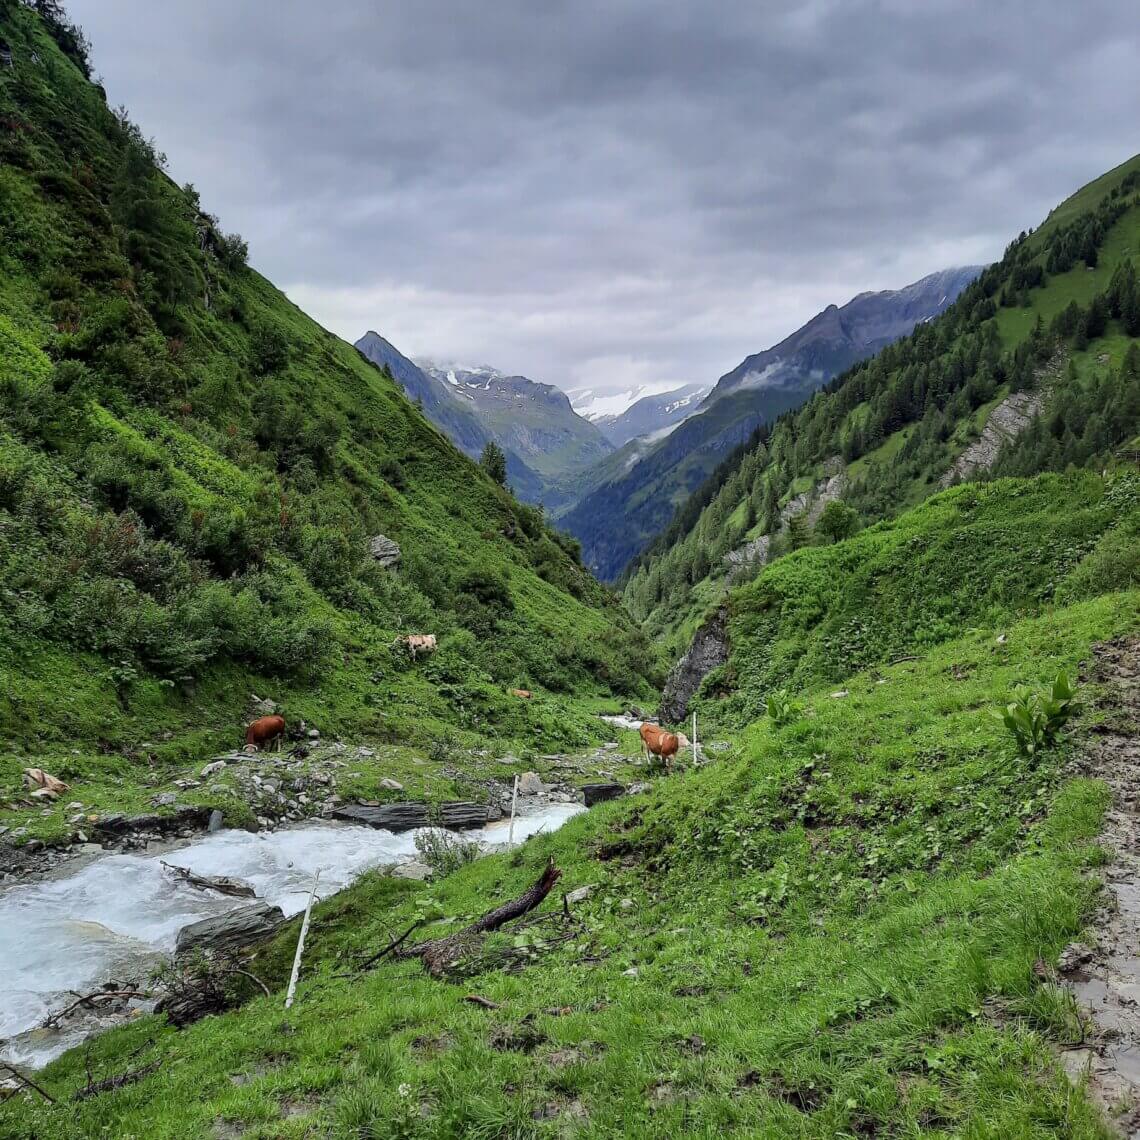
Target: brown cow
[[264, 730], [659, 743]]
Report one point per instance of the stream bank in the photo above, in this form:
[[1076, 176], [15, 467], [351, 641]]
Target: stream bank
[[117, 915]]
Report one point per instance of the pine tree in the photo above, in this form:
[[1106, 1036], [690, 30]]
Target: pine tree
[[494, 462]]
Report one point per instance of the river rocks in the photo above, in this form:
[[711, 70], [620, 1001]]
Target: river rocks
[[598, 793], [232, 931], [215, 821], [407, 816], [708, 651], [385, 551], [164, 799], [137, 830]]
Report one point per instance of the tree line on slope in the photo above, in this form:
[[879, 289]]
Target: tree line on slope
[[190, 469], [930, 383]]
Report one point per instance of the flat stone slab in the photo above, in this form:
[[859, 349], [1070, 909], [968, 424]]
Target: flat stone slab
[[232, 931], [407, 816], [185, 816]]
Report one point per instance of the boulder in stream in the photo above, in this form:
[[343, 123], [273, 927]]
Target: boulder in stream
[[186, 816], [232, 931]]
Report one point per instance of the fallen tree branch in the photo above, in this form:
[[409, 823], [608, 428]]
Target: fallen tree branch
[[437, 954], [482, 1002], [27, 1081], [111, 1083], [392, 945], [88, 1001], [253, 978], [223, 884]]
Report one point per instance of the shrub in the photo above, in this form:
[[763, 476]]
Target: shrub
[[781, 709], [393, 474], [1034, 718], [444, 852]]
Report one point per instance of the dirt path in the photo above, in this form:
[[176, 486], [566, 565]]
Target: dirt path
[[1106, 977]]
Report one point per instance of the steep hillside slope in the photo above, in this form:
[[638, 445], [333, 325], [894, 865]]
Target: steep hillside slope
[[846, 922], [1045, 340], [191, 474], [619, 514], [651, 414], [534, 421]]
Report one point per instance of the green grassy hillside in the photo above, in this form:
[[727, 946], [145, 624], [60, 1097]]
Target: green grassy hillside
[[190, 472], [841, 926], [1061, 311]]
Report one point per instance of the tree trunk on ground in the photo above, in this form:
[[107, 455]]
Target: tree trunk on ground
[[438, 954]]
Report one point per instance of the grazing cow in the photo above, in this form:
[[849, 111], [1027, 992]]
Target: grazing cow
[[659, 743], [526, 694], [417, 643], [264, 730]]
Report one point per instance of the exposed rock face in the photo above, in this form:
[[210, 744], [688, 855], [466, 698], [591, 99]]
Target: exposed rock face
[[405, 817], [1009, 419], [599, 793], [233, 931], [754, 552], [808, 503], [708, 650], [826, 492], [385, 551]]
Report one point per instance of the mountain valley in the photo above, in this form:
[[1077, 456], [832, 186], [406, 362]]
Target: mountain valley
[[751, 761]]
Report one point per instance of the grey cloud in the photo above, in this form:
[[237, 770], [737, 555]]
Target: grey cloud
[[614, 191]]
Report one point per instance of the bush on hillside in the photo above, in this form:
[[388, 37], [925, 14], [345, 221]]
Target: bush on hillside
[[1034, 718]]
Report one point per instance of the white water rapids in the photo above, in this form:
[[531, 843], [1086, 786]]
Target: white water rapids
[[118, 915]]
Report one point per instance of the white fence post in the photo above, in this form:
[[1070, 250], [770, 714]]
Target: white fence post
[[514, 803], [301, 943]]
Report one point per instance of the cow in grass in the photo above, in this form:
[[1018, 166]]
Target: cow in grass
[[417, 644], [661, 744], [265, 730]]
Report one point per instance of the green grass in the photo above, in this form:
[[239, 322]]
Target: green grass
[[973, 556], [1079, 284], [834, 928]]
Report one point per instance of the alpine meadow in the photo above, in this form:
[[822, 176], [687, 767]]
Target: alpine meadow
[[339, 798]]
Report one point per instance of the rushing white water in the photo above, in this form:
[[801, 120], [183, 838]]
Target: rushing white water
[[622, 721], [118, 915]]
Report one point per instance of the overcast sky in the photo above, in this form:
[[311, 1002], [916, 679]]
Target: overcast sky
[[610, 192]]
